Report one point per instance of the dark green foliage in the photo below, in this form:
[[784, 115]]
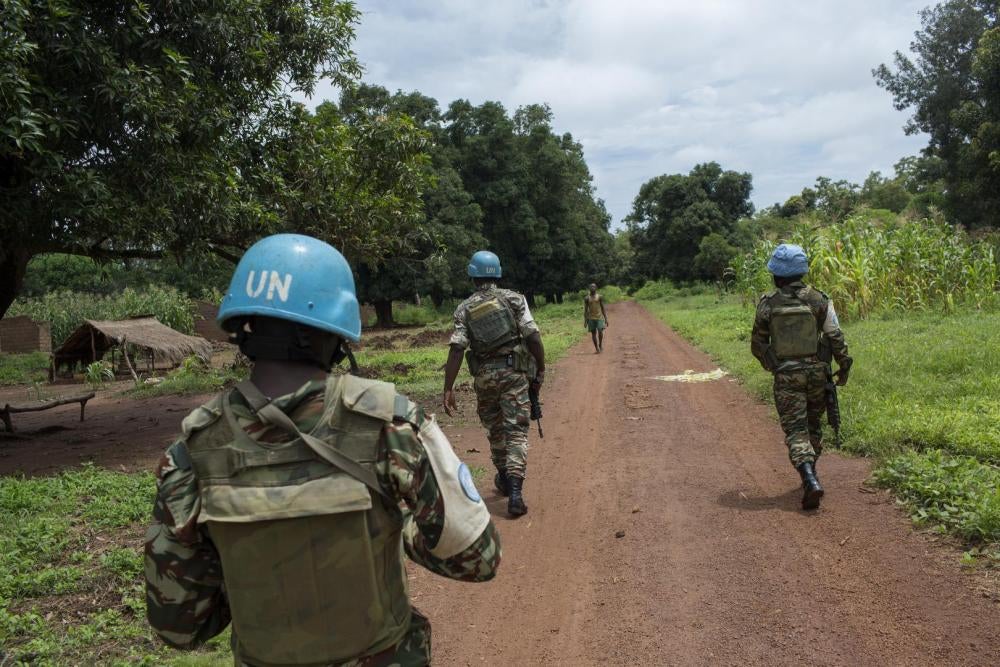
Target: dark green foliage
[[951, 84], [149, 130], [673, 214]]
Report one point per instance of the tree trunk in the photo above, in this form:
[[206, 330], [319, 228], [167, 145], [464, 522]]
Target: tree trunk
[[559, 297], [383, 314], [437, 299], [13, 265], [530, 298]]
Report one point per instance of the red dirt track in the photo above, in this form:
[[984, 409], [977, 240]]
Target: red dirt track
[[718, 565]]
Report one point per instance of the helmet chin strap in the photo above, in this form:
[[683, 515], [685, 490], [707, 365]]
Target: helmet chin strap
[[350, 357], [282, 340]]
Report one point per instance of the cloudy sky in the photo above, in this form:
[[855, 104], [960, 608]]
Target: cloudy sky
[[780, 88]]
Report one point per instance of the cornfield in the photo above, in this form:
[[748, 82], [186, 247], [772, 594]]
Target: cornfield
[[866, 268], [65, 311]]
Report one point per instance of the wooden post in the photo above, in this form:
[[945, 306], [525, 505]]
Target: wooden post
[[128, 360], [93, 346]]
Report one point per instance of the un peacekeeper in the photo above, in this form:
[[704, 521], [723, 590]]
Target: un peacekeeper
[[595, 318], [793, 326], [289, 516], [505, 355]]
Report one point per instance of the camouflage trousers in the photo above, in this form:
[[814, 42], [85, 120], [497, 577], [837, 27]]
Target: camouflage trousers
[[800, 397], [505, 411]]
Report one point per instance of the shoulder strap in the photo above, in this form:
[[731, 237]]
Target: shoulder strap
[[270, 413]]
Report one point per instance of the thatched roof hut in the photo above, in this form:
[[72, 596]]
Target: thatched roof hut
[[160, 344]]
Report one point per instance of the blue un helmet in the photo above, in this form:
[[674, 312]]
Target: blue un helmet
[[484, 264], [788, 260], [296, 278]]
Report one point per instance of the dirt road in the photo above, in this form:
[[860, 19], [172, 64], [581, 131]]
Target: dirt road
[[717, 565]]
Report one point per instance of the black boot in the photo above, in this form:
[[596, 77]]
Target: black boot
[[811, 490], [502, 482], [515, 503]]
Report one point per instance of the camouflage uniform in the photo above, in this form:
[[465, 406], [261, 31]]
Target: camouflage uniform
[[187, 599], [501, 391], [800, 384]]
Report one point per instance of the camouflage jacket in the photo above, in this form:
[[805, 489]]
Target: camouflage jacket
[[518, 304], [826, 319], [185, 584]]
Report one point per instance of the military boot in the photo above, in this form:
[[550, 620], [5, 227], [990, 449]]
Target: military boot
[[811, 490], [515, 503], [502, 482]]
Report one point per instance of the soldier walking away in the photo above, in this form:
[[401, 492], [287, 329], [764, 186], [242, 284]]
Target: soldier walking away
[[792, 327], [595, 318], [288, 516], [505, 356]]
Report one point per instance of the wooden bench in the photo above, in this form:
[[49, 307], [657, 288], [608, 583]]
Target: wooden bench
[[8, 410]]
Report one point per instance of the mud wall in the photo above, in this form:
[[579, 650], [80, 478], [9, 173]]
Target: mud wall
[[20, 335]]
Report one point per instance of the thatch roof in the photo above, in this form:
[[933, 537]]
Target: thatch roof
[[144, 332]]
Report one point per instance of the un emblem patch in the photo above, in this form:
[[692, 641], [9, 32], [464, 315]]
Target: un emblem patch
[[468, 486]]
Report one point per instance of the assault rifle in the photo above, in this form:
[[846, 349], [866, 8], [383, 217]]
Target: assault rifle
[[536, 407], [832, 405], [832, 400]]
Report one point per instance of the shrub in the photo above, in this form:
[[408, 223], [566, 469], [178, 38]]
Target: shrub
[[655, 289]]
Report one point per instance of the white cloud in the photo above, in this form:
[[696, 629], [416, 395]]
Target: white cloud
[[780, 88]]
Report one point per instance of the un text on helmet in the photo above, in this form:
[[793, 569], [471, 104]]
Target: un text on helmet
[[273, 282]]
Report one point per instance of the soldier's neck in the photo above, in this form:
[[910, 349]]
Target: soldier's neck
[[277, 378]]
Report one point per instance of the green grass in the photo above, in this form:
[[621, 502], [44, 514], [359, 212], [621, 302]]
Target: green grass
[[23, 368], [71, 569], [924, 400], [181, 382]]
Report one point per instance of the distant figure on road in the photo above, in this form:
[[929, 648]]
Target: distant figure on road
[[595, 318], [792, 324], [506, 356], [287, 504]]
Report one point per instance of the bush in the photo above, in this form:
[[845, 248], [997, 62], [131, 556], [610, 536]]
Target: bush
[[655, 289], [65, 311]]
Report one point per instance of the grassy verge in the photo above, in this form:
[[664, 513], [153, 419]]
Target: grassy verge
[[26, 369], [70, 569], [923, 400]]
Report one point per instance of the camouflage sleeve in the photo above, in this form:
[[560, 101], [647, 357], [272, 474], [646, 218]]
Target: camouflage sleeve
[[522, 313], [406, 468], [460, 336], [833, 333], [185, 598], [760, 337]]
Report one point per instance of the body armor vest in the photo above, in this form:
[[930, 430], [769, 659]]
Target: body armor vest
[[794, 330], [312, 558], [491, 326]]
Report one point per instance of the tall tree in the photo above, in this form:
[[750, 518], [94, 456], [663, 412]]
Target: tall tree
[[673, 215], [948, 95], [160, 128]]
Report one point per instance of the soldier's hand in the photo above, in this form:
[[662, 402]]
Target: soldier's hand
[[841, 376], [449, 402]]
